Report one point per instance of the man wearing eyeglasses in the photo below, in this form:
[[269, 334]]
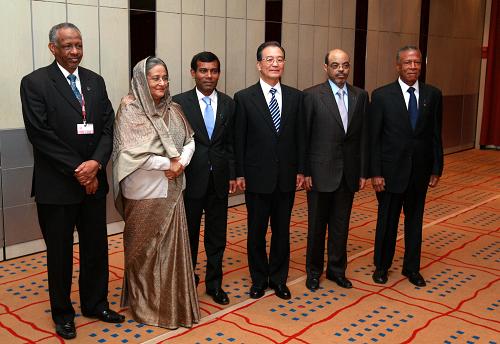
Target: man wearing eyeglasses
[[269, 145], [336, 166], [210, 174]]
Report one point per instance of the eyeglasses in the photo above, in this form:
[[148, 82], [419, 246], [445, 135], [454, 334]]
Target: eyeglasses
[[157, 79], [271, 59], [345, 65]]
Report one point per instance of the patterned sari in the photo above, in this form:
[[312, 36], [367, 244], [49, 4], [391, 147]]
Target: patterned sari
[[158, 285]]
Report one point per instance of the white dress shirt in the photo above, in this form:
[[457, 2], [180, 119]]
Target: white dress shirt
[[203, 105], [406, 94], [75, 73], [266, 90]]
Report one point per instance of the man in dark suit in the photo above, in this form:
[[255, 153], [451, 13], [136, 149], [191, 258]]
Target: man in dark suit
[[269, 158], [210, 175], [71, 134], [335, 166], [406, 157]]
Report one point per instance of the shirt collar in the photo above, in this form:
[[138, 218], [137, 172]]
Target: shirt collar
[[335, 88], [213, 96], [66, 73], [405, 87], [266, 87]]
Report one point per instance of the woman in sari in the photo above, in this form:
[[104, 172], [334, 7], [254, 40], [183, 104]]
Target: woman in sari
[[152, 144]]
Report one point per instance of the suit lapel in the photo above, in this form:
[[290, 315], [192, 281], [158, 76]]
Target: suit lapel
[[63, 87], [331, 103], [262, 108], [196, 117], [88, 93], [352, 100], [400, 103], [219, 117], [422, 105], [286, 105]]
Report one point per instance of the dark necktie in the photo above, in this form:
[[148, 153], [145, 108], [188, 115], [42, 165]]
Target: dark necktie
[[78, 95], [412, 108], [275, 109]]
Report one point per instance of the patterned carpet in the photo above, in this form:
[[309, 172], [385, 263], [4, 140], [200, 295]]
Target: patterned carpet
[[460, 262]]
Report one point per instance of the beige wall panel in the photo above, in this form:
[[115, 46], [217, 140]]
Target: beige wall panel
[[464, 18], [45, 15], [408, 39], [320, 49], [115, 3], [371, 60], [387, 48], [87, 20], [215, 8], [215, 33], [290, 42], [321, 12], [348, 46], [390, 15], [192, 42], [410, 16], [334, 38], [348, 14], [306, 13], [168, 6], [168, 47], [236, 55], [373, 14], [236, 8], [456, 65], [438, 49], [306, 56], [290, 11], [335, 13], [256, 9], [15, 17], [115, 57], [193, 7], [255, 36], [472, 51], [441, 17], [83, 2]]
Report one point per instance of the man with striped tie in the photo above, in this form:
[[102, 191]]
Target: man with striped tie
[[269, 145]]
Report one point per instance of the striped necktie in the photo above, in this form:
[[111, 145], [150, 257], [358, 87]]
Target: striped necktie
[[78, 95], [275, 109], [342, 109]]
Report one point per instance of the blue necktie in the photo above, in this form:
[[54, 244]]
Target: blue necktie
[[275, 109], [78, 95], [209, 116], [412, 108]]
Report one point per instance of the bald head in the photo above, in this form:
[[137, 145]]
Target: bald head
[[337, 66]]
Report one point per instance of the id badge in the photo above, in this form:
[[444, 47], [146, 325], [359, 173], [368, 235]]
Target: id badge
[[85, 129]]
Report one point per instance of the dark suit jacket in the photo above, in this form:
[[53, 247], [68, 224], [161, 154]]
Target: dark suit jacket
[[331, 152], [397, 151], [265, 158], [216, 152], [51, 113]]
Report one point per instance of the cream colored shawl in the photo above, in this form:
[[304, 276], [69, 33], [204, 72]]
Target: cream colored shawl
[[140, 130]]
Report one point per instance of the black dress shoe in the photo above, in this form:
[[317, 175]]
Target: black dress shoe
[[341, 281], [312, 283], [109, 316], [256, 292], [281, 291], [415, 278], [66, 330], [219, 296], [380, 276]]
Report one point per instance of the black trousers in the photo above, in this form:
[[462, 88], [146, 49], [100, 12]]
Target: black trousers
[[412, 201], [58, 223], [215, 231], [330, 210], [275, 208]]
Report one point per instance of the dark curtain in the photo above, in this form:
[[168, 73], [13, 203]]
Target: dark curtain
[[490, 127]]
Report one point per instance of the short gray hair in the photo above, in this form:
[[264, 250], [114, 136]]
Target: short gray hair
[[405, 48], [154, 61], [53, 31]]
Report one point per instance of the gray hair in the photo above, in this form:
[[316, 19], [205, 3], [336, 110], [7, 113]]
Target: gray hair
[[53, 31], [153, 61], [405, 48]]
